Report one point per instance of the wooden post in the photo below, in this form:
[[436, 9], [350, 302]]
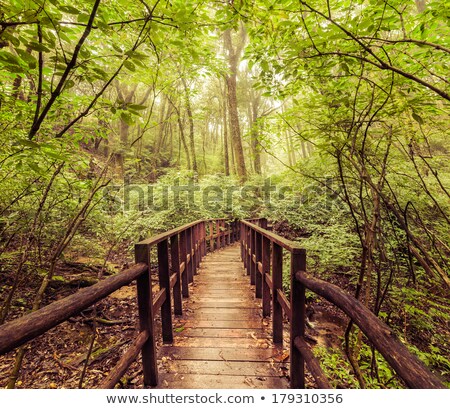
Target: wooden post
[[164, 283], [277, 281], [258, 275], [222, 233], [297, 369], [195, 247], [190, 264], [204, 239], [230, 232], [199, 245], [252, 251], [242, 239], [146, 319], [263, 223], [247, 250], [217, 226], [266, 271], [183, 259], [211, 236], [175, 263]]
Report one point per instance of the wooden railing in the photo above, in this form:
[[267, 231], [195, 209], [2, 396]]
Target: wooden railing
[[179, 252], [262, 254]]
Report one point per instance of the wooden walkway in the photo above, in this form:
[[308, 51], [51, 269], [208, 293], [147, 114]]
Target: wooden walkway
[[222, 340]]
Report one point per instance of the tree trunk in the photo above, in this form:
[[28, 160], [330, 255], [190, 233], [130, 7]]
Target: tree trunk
[[225, 135], [191, 126], [235, 131]]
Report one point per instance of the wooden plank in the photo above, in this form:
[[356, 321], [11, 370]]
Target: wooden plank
[[221, 368], [220, 354], [284, 302], [164, 236], [224, 332], [189, 381], [251, 309], [231, 300], [226, 314], [241, 343], [291, 246], [224, 304], [215, 323], [173, 280], [158, 300]]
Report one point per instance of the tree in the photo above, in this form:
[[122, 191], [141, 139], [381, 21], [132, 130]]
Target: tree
[[233, 55]]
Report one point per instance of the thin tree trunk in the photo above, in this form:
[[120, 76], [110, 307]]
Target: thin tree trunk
[[191, 125], [231, 79]]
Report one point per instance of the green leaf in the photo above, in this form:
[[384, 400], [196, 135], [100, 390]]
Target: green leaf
[[34, 166], [26, 56], [125, 117], [129, 65], [9, 58], [30, 144], [137, 107], [38, 47], [69, 84], [83, 18], [69, 10], [417, 118]]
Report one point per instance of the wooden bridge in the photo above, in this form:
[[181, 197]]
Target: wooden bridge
[[225, 302]]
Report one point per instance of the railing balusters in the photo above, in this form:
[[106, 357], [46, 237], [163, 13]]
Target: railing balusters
[[146, 318], [164, 283]]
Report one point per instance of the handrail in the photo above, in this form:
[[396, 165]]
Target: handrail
[[262, 254], [289, 245], [181, 249], [413, 371], [30, 326]]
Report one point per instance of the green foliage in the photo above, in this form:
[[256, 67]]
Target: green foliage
[[336, 368]]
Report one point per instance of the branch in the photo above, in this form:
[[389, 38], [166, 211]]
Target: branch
[[58, 90]]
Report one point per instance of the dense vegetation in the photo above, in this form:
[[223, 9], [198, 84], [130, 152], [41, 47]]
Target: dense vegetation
[[341, 107]]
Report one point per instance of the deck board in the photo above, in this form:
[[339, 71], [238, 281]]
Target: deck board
[[222, 341]]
